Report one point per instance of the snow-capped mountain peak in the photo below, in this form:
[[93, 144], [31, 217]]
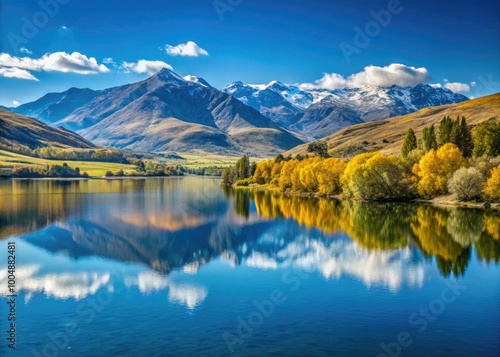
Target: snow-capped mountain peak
[[288, 104], [195, 79]]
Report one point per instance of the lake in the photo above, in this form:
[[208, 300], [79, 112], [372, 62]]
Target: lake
[[184, 267]]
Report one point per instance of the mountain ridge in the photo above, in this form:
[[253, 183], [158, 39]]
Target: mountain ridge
[[167, 112], [21, 130], [387, 135], [318, 112]]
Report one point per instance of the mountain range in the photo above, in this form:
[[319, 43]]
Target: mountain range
[[318, 112], [167, 112], [387, 135]]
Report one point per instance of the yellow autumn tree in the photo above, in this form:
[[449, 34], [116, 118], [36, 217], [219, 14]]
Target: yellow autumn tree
[[492, 189], [379, 178], [436, 167], [297, 185], [351, 167], [308, 174], [262, 173], [328, 173], [275, 173], [285, 180]]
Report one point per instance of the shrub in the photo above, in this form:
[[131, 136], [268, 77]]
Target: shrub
[[27, 172], [467, 184], [243, 182], [109, 174]]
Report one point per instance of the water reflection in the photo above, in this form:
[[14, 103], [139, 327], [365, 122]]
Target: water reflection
[[170, 225]]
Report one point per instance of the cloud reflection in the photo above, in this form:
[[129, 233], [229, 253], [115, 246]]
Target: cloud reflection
[[76, 285], [334, 258]]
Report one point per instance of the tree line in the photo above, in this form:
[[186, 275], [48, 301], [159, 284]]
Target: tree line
[[63, 171], [70, 154], [453, 159]]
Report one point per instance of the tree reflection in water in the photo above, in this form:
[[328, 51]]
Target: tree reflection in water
[[448, 234]]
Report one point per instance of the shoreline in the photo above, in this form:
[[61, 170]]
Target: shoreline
[[111, 178], [440, 201]]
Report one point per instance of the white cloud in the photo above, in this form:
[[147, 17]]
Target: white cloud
[[436, 85], [457, 87], [25, 50], [393, 74], [329, 81], [108, 60], [55, 62], [472, 84], [145, 66], [15, 103], [186, 49], [64, 27], [16, 73]]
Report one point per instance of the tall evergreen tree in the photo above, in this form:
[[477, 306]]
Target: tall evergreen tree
[[243, 168], [410, 143], [429, 138], [445, 131], [466, 143]]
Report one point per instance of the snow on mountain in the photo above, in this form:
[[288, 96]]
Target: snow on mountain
[[277, 101], [167, 112], [311, 112]]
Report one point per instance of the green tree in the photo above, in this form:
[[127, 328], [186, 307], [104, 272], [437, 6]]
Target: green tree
[[229, 176], [445, 131], [253, 167], [242, 168], [409, 144], [318, 147], [487, 139], [462, 136]]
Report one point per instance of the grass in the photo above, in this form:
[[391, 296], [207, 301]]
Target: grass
[[93, 168], [195, 159]]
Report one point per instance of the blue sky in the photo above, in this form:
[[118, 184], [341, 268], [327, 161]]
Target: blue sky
[[448, 43]]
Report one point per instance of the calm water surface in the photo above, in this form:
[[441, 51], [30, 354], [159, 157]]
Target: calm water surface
[[182, 267]]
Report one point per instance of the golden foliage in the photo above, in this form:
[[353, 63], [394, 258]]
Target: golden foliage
[[492, 189], [435, 168]]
